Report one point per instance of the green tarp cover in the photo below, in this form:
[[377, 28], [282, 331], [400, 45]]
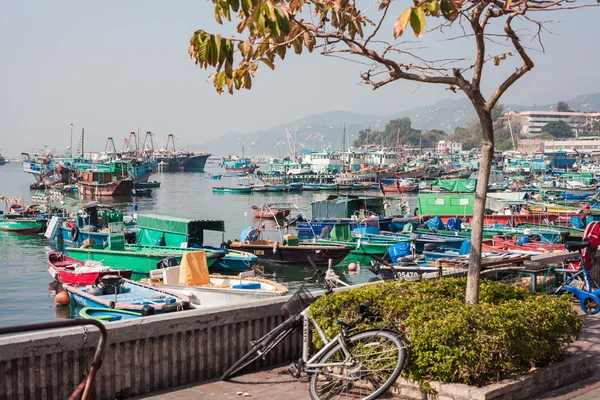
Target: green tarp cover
[[456, 185], [174, 230], [341, 233]]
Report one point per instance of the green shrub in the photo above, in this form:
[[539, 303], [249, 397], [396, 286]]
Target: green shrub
[[510, 331]]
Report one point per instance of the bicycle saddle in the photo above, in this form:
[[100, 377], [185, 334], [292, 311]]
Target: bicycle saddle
[[574, 246]]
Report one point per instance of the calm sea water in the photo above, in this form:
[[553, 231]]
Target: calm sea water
[[27, 290]]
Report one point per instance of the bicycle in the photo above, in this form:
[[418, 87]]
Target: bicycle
[[353, 363], [580, 284]]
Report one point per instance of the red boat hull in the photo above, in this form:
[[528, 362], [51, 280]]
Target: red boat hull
[[61, 267], [403, 189], [274, 213], [122, 187]]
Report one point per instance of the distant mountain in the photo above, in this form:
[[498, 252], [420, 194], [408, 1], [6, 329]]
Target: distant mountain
[[324, 130]]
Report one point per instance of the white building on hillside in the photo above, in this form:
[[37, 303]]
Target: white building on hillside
[[532, 122], [448, 146]]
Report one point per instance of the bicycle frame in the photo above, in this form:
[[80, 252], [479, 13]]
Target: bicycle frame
[[584, 295], [310, 364]]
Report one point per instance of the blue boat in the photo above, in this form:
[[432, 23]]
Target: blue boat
[[210, 176], [124, 294], [318, 225], [294, 187]]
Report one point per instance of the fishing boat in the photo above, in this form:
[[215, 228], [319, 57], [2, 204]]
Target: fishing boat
[[123, 294], [270, 211], [278, 252], [275, 188], [236, 165], [146, 185], [93, 185], [344, 209], [159, 237], [511, 242], [232, 189], [401, 188], [192, 279], [104, 314], [15, 223], [210, 176], [21, 225], [66, 269], [341, 234]]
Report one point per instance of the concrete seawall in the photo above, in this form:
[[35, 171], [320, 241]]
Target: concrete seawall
[[142, 356]]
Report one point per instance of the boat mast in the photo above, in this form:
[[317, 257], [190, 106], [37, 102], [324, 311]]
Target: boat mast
[[343, 147]]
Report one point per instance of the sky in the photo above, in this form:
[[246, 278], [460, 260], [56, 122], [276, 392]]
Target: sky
[[116, 66]]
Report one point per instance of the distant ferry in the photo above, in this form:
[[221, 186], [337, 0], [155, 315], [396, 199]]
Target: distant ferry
[[2, 160]]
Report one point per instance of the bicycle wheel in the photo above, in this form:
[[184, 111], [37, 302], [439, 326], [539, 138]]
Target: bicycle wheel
[[377, 357], [260, 349]]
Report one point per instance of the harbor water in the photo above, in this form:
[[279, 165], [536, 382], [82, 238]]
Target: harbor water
[[27, 290]]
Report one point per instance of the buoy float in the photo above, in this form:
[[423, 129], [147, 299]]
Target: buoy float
[[352, 267], [62, 298]]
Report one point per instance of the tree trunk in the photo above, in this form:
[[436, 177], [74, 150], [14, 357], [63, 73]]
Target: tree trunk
[[485, 166]]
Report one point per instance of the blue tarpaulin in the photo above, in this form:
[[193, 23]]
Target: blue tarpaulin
[[399, 250], [465, 248], [576, 222], [435, 223]]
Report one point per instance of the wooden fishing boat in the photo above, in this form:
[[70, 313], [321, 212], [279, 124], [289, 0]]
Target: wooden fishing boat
[[21, 225], [66, 269], [294, 187], [311, 187], [210, 176], [511, 242], [270, 212], [146, 185], [233, 189], [192, 279], [275, 188], [401, 188], [328, 186], [123, 294], [277, 252], [104, 314]]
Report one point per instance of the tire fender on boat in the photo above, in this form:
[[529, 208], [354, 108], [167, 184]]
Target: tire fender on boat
[[147, 310], [74, 233]]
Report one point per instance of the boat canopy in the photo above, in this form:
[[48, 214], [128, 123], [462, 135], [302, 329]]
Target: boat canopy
[[456, 185], [497, 201], [341, 233], [174, 231], [346, 207]]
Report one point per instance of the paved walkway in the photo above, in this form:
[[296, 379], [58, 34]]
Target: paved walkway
[[278, 384]]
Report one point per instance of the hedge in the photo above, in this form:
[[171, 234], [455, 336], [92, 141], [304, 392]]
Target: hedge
[[509, 332]]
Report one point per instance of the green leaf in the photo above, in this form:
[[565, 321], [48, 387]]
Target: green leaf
[[417, 21], [449, 9], [401, 22], [214, 48], [218, 11], [246, 6], [281, 51], [235, 5], [270, 11], [282, 21], [268, 63], [202, 47], [244, 47]]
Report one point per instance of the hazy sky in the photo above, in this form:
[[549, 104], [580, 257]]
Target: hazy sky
[[114, 66]]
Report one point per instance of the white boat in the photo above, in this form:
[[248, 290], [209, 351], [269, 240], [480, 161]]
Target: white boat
[[192, 279]]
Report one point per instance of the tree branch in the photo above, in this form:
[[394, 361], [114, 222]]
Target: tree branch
[[527, 64]]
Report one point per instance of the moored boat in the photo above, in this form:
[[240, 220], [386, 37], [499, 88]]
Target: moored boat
[[124, 294], [232, 189], [104, 314], [66, 269], [268, 211], [192, 279]]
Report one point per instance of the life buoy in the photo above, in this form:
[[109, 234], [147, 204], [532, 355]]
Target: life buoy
[[74, 233], [253, 234]]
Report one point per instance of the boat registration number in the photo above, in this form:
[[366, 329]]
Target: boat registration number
[[259, 252]]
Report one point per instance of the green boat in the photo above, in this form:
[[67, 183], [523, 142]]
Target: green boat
[[340, 234], [159, 237], [574, 233], [104, 314], [232, 189], [140, 259], [21, 225]]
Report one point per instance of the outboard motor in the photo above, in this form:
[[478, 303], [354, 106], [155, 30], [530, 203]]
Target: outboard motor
[[167, 263]]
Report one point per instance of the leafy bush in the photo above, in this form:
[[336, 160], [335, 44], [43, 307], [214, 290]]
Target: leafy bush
[[510, 331]]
